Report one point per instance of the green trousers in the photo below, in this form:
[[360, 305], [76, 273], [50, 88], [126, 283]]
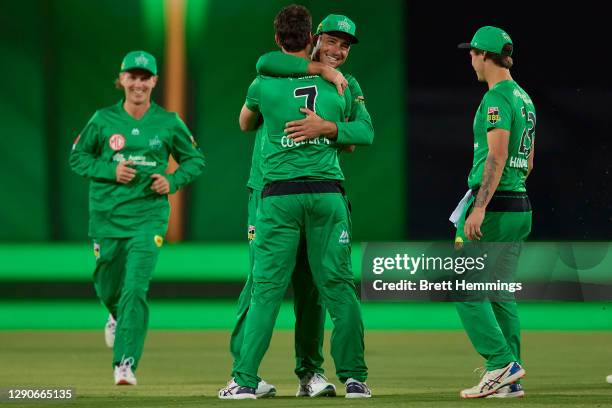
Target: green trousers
[[323, 220], [124, 267], [308, 307], [493, 325]]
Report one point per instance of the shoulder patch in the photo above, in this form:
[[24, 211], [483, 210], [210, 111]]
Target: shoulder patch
[[493, 115]]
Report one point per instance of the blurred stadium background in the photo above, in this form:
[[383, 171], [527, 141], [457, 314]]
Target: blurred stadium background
[[59, 61]]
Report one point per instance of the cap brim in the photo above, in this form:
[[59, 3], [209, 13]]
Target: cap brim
[[138, 69], [464, 46], [352, 38]]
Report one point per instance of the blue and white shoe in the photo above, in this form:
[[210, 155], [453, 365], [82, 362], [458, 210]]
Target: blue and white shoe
[[357, 389], [509, 391], [265, 390], [234, 391], [493, 380]]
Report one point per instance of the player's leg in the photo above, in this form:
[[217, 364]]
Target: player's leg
[[108, 279], [244, 300], [309, 330], [480, 319], [328, 237], [279, 223], [133, 309]]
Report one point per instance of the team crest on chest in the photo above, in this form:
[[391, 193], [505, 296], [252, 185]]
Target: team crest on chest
[[116, 141], [493, 115]]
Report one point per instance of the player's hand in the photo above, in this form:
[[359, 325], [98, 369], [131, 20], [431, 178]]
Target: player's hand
[[311, 127], [335, 77], [160, 185], [473, 223], [123, 173], [348, 148]]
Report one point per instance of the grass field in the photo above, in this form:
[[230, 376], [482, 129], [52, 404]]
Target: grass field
[[407, 368]]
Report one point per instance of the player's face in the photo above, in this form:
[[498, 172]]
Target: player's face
[[333, 49], [138, 85], [478, 64]]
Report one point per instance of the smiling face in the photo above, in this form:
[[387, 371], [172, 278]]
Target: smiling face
[[333, 48], [137, 85]]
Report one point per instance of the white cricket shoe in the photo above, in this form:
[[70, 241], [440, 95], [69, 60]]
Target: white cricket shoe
[[265, 390], [109, 331], [609, 379], [124, 374], [315, 386], [234, 391], [492, 381], [357, 389], [509, 391]]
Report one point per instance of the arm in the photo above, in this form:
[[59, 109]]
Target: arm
[[187, 154], [249, 120], [279, 64], [497, 140], [249, 115], [357, 131], [84, 157]]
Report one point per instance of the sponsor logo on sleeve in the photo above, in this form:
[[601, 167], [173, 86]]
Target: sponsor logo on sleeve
[[493, 115], [96, 250], [251, 233]]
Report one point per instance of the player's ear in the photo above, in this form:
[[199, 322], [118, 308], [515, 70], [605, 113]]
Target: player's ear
[[154, 81], [277, 40]]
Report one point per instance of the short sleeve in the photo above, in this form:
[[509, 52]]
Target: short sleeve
[[252, 99], [497, 111]]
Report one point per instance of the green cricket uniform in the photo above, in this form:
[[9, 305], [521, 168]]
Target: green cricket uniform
[[309, 311], [494, 326], [302, 198], [128, 221]]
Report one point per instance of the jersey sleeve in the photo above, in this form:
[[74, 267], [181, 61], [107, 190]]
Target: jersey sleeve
[[187, 154], [358, 129], [252, 99], [498, 112], [279, 64], [85, 155]]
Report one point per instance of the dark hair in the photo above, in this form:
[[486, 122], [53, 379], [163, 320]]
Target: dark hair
[[503, 60], [292, 26]]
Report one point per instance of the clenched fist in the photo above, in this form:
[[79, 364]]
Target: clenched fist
[[160, 184], [125, 174]]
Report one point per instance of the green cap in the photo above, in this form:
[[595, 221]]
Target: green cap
[[490, 39], [139, 60], [338, 23]]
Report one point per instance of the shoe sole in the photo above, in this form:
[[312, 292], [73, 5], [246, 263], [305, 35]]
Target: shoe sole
[[509, 380], [328, 391], [269, 394], [517, 394], [124, 382], [357, 395]]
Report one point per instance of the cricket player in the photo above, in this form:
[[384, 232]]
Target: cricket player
[[497, 208], [302, 197], [334, 37], [124, 151]]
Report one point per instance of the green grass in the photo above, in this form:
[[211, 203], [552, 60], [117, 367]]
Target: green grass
[[407, 368]]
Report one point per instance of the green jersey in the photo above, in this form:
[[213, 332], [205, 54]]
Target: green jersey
[[256, 176], [111, 136], [357, 129], [279, 101], [505, 106]]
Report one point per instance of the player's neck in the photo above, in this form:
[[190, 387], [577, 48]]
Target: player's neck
[[300, 54], [136, 111], [497, 76]]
